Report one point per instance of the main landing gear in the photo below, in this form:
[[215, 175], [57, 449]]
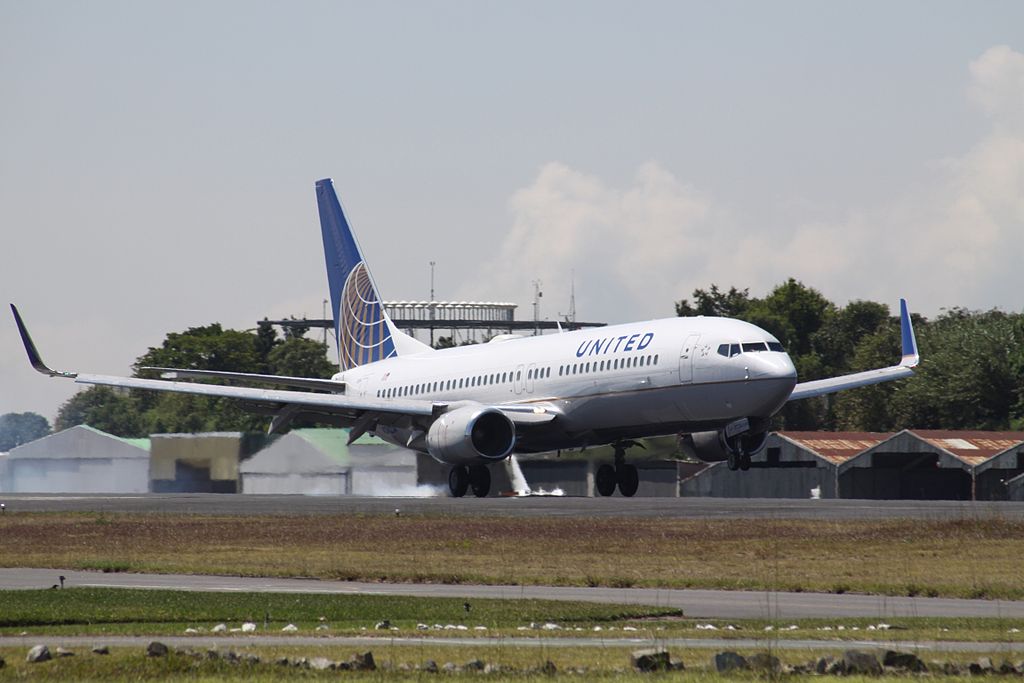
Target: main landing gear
[[623, 475], [474, 477]]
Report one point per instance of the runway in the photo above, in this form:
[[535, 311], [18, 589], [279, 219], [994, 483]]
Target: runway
[[693, 603], [668, 508]]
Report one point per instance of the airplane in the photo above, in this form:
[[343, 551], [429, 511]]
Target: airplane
[[717, 380]]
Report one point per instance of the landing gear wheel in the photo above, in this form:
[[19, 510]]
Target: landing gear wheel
[[745, 462], [605, 480], [480, 480], [733, 461], [628, 478], [458, 481]]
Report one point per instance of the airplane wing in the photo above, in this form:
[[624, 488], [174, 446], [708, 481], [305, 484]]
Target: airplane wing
[[359, 413], [280, 380], [910, 359]]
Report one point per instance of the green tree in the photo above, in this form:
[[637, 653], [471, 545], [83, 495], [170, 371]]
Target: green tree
[[106, 409], [712, 302], [17, 429], [298, 357]]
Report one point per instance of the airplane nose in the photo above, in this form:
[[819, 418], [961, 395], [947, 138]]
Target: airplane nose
[[772, 366]]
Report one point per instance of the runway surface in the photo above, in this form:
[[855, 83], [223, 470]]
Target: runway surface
[[678, 508], [28, 641], [693, 603]]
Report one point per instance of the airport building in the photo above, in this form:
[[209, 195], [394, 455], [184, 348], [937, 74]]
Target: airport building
[[792, 465], [937, 465], [911, 464], [200, 463], [322, 462], [79, 460], [908, 465]]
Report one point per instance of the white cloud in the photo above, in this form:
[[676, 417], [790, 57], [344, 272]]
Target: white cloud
[[953, 240], [628, 247]]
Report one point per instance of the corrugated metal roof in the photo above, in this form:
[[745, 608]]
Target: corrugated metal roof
[[836, 447], [971, 447]]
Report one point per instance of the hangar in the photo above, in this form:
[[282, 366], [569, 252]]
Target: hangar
[[200, 463], [924, 464], [792, 465], [78, 460], [321, 462], [913, 464]]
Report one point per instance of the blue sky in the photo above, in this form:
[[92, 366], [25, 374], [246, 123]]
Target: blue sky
[[158, 159]]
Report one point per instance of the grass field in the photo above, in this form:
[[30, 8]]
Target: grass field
[[117, 611], [959, 558]]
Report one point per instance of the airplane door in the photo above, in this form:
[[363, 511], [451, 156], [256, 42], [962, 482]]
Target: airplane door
[[686, 359], [519, 381], [530, 375]]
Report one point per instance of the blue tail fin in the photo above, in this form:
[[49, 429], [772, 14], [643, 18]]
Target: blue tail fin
[[361, 328]]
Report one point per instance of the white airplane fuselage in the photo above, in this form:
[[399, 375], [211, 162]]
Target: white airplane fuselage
[[605, 384]]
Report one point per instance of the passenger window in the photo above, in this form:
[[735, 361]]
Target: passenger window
[[519, 375], [655, 359]]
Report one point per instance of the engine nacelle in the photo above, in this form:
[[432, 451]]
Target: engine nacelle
[[714, 447], [471, 434]]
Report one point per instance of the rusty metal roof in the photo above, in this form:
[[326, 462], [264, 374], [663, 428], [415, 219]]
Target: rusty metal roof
[[836, 447], [971, 447]]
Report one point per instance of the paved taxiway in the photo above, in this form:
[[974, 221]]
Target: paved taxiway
[[679, 508], [693, 603], [503, 642]]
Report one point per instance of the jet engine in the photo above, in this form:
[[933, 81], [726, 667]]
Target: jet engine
[[471, 434], [714, 446]]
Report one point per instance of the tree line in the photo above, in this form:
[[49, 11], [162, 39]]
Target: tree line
[[971, 374], [211, 347]]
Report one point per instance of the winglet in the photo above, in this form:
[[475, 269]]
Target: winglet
[[33, 353], [910, 355]]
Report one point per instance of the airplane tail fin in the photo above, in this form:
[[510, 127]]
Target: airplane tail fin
[[363, 331]]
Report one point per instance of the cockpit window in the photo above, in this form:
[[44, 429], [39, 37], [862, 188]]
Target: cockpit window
[[754, 346], [775, 346]]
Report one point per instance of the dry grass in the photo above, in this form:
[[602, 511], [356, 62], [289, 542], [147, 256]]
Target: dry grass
[[967, 557]]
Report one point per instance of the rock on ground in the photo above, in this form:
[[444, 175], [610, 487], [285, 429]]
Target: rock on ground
[[39, 653], [61, 652], [363, 662], [101, 650], [321, 664], [857, 662], [156, 649], [729, 661], [764, 662], [650, 660], [904, 660]]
